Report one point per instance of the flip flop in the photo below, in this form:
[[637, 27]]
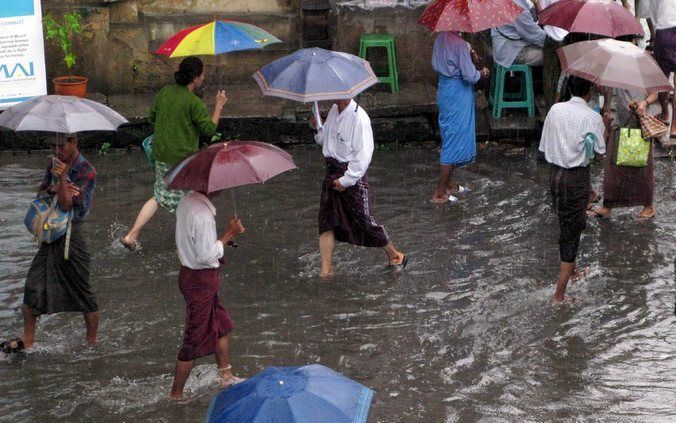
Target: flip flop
[[399, 267], [13, 346]]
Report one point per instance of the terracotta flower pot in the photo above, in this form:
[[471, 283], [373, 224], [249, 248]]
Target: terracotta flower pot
[[70, 85]]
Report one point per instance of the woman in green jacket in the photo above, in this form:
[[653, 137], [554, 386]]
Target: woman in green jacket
[[180, 117]]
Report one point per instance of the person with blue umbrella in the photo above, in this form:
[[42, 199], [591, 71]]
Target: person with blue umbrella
[[345, 209]]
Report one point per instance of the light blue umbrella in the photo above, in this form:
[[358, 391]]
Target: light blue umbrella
[[315, 74], [305, 394]]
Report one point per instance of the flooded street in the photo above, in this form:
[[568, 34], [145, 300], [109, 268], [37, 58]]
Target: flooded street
[[466, 334]]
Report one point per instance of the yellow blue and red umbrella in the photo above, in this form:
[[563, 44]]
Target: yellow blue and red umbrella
[[217, 37]]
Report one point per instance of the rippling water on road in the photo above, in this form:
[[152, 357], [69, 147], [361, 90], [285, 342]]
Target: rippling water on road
[[466, 334]]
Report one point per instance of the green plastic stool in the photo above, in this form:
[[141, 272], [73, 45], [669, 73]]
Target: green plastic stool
[[386, 41], [507, 100]]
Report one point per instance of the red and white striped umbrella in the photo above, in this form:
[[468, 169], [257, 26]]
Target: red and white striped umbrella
[[613, 63], [468, 15], [602, 17]]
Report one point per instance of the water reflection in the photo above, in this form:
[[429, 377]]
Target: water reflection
[[466, 334]]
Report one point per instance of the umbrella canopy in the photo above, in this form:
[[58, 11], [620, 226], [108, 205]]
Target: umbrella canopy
[[613, 63], [64, 114], [315, 74], [229, 164], [305, 394], [603, 17], [468, 15], [215, 38]]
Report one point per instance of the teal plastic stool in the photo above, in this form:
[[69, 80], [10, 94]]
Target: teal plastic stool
[[509, 100], [386, 41]]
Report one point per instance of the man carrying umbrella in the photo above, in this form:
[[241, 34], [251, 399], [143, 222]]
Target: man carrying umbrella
[[563, 143], [345, 208], [207, 322], [58, 282]]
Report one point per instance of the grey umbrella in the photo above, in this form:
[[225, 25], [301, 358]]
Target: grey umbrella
[[62, 114]]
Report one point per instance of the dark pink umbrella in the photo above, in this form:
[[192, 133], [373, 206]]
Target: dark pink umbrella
[[602, 17], [229, 164], [468, 15]]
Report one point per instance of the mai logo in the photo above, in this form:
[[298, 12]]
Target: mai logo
[[16, 70]]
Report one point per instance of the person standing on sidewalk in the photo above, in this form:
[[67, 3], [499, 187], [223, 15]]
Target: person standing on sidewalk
[[207, 322], [345, 209], [563, 143], [180, 117], [57, 282]]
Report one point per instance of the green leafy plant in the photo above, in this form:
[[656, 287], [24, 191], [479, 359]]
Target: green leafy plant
[[104, 149], [64, 32]]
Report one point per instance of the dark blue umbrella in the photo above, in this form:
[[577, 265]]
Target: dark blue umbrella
[[305, 394], [315, 74]]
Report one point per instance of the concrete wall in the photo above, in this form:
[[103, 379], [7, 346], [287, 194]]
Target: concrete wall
[[117, 43]]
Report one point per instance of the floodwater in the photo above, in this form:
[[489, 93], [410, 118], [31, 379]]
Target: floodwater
[[466, 334]]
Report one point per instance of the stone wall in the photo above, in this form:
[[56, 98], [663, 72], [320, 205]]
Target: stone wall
[[117, 43]]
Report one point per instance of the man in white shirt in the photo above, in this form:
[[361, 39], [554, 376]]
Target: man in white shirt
[[345, 208], [207, 322], [563, 143]]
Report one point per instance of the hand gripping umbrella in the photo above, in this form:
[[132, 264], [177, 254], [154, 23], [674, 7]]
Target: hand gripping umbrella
[[306, 394], [315, 74]]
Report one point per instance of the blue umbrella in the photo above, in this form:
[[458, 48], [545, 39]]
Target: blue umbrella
[[315, 74], [305, 394]]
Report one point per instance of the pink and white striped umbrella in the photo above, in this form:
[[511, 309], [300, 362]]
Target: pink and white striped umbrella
[[613, 63]]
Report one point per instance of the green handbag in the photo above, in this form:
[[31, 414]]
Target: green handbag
[[631, 149]]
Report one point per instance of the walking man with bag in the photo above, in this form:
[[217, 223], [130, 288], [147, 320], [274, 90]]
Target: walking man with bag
[[564, 142], [58, 279]]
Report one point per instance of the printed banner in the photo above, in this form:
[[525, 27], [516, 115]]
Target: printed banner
[[22, 54]]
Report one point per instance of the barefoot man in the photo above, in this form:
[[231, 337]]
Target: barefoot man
[[563, 142], [57, 282], [345, 212], [207, 322]]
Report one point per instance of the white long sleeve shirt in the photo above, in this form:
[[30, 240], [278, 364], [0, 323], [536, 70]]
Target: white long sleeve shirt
[[348, 138], [196, 237], [565, 129]]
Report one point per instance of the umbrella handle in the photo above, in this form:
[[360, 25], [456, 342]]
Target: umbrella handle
[[234, 206], [318, 117]]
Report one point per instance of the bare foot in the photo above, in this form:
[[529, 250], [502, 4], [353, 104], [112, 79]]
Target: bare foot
[[229, 379], [647, 213], [130, 243], [563, 301], [326, 275], [176, 396], [397, 260]]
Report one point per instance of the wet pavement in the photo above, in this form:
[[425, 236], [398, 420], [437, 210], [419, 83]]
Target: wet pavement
[[466, 334]]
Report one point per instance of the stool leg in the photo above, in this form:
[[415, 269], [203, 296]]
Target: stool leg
[[362, 50], [395, 71], [499, 92], [530, 97]]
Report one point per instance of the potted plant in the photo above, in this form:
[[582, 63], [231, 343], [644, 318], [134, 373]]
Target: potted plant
[[64, 32]]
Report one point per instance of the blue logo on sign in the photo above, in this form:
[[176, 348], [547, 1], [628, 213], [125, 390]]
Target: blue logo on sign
[[17, 70]]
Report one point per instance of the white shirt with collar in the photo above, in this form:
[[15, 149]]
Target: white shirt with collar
[[663, 13], [566, 126], [196, 237], [348, 138]]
